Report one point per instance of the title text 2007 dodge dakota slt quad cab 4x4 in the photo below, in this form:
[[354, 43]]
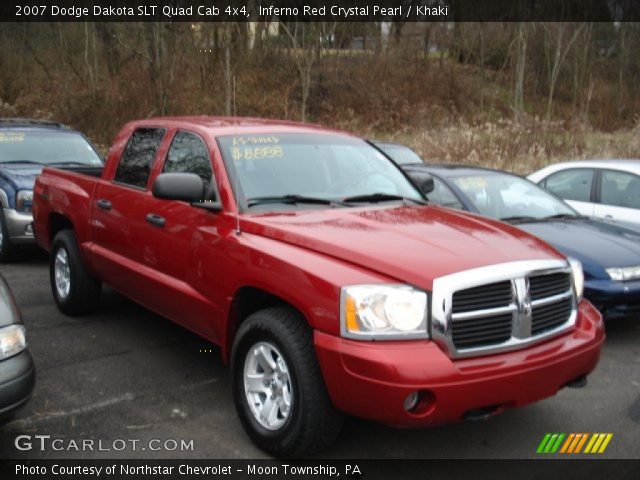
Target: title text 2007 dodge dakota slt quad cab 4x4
[[317, 266]]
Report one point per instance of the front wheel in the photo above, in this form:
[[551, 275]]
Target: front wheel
[[75, 291], [278, 388]]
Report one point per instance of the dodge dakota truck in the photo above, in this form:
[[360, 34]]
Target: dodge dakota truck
[[318, 267]]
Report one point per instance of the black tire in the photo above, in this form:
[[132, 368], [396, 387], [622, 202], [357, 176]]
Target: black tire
[[7, 249], [313, 423], [84, 289]]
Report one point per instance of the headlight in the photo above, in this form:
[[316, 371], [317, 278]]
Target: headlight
[[624, 274], [24, 201], [12, 341], [383, 312], [578, 276]]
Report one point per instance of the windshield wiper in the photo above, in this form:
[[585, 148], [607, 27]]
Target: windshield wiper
[[292, 200], [528, 219], [381, 197], [562, 216], [5, 162], [519, 219], [58, 164]]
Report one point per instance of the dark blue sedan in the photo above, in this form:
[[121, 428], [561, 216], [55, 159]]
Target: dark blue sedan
[[610, 255]]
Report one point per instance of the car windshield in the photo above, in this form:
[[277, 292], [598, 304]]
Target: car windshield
[[285, 167], [46, 147], [399, 153], [507, 197]]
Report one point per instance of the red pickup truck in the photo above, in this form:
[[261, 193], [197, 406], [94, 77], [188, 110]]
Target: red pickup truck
[[328, 281]]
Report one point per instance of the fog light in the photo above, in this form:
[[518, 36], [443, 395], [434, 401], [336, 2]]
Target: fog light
[[28, 230], [411, 401]]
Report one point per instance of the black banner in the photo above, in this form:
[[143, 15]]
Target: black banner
[[325, 469], [320, 10]]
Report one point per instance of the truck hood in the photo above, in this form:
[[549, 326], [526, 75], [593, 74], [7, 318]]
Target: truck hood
[[597, 245], [411, 244], [21, 177]]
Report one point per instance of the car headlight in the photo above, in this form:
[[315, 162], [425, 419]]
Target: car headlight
[[12, 340], [578, 276], [388, 312], [24, 201], [624, 274]]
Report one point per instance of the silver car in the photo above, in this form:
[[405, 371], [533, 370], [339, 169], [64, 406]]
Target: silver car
[[608, 190]]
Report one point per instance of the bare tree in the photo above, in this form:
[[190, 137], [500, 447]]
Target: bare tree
[[556, 49], [520, 68], [306, 48]]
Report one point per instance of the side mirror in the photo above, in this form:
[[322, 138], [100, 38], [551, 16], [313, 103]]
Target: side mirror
[[187, 187], [423, 180]]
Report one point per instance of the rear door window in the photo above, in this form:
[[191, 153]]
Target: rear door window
[[138, 157], [620, 189]]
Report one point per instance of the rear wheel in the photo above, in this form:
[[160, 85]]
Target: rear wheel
[[7, 250], [75, 291], [278, 388]]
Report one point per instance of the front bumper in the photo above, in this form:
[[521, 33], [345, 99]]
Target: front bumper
[[19, 227], [372, 379], [614, 299], [17, 379]]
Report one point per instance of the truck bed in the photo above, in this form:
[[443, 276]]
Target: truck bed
[[68, 191]]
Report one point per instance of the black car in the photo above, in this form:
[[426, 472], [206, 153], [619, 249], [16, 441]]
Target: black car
[[17, 372], [610, 255]]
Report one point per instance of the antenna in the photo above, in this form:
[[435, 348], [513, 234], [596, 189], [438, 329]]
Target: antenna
[[235, 171], [234, 99]]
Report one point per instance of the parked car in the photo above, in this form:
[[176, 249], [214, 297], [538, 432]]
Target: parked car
[[399, 153], [314, 263], [25, 147], [608, 190], [610, 255], [17, 372]]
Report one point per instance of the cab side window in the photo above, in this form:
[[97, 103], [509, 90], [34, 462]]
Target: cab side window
[[574, 184], [620, 189], [138, 157], [189, 154]]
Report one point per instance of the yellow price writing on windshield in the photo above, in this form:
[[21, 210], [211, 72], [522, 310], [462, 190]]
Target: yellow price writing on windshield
[[256, 153], [11, 136]]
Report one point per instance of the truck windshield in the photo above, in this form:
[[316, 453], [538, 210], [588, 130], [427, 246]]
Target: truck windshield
[[322, 167], [46, 148], [510, 198]]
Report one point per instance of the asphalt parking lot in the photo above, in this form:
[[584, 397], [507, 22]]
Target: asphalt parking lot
[[126, 373]]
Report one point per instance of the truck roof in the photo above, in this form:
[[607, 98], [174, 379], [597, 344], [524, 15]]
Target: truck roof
[[218, 126]]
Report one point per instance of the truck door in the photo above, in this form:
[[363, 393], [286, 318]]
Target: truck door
[[184, 245], [118, 216]]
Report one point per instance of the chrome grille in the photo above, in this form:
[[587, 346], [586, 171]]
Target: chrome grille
[[548, 317], [484, 331], [482, 297], [542, 286], [502, 307]]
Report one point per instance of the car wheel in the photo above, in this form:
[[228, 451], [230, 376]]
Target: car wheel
[[75, 291], [279, 392], [7, 250]]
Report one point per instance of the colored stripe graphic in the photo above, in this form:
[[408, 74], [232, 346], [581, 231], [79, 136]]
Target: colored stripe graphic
[[598, 443], [573, 443], [550, 443]]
